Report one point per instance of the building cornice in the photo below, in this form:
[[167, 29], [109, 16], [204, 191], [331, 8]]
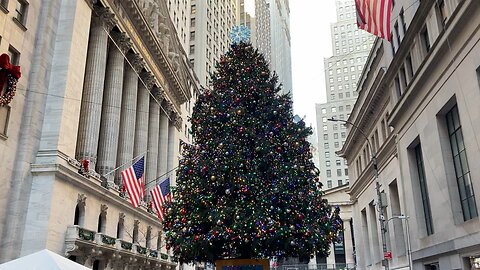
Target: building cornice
[[166, 62], [439, 52]]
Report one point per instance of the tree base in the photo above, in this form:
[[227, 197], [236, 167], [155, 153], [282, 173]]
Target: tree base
[[243, 264]]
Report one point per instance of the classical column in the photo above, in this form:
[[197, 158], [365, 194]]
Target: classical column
[[112, 100], [127, 115], [348, 241], [163, 143], [143, 101], [172, 139], [90, 112], [153, 135]]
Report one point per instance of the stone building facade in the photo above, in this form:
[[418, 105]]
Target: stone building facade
[[418, 107], [104, 82]]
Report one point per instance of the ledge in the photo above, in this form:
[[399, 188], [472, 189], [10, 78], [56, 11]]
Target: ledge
[[19, 23], [4, 9]]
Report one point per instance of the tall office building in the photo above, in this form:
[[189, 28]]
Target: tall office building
[[255, 14], [280, 42], [210, 24], [350, 50]]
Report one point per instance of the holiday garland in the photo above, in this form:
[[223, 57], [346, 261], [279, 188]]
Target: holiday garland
[[9, 74]]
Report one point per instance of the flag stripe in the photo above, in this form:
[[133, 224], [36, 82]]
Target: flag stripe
[[374, 16], [133, 182], [160, 195]]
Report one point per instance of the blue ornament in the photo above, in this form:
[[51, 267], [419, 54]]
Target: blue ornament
[[240, 33]]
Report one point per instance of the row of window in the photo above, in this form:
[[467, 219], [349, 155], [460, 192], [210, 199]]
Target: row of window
[[339, 182], [79, 219], [339, 172], [345, 69], [348, 108], [21, 10]]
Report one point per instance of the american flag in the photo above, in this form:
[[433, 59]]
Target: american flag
[[134, 182], [160, 195], [373, 16]]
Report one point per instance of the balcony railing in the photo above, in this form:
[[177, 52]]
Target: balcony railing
[[80, 242]]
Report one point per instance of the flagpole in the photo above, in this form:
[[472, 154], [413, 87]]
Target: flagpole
[[142, 154]]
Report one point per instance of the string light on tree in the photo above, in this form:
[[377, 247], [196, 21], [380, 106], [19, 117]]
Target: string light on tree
[[247, 187]]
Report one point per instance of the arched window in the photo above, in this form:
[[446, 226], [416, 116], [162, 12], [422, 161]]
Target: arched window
[[135, 232], [159, 240], [148, 236], [102, 220], [79, 216], [120, 226]]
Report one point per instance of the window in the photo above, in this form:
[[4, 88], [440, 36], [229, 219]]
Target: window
[[398, 87], [442, 12], [346, 172], [432, 266], [192, 35], [324, 119], [192, 49], [4, 4], [329, 173], [327, 163], [4, 119], [326, 146], [340, 182], [423, 189], [339, 172], [409, 66], [397, 34], [14, 55], [337, 144], [327, 154], [325, 136], [392, 46], [193, 10], [325, 128], [102, 220], [335, 135], [403, 77], [462, 170], [329, 183], [334, 109], [425, 39], [120, 228], [324, 111], [343, 134], [338, 162]]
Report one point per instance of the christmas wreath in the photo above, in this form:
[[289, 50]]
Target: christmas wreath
[[9, 74]]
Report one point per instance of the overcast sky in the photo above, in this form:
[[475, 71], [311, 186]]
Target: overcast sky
[[310, 32]]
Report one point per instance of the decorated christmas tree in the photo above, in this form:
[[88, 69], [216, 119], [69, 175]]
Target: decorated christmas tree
[[247, 187]]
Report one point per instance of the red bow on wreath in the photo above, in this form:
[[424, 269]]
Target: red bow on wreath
[[6, 66], [9, 74]]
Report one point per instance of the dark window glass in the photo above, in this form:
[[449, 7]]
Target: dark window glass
[[423, 189], [462, 170]]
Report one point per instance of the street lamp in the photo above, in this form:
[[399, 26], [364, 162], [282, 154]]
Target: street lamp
[[409, 247], [381, 217]]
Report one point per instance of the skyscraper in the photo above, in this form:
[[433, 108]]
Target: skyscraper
[[210, 24], [280, 42], [255, 14], [350, 50]]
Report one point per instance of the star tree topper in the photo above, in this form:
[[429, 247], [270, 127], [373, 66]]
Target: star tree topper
[[240, 33]]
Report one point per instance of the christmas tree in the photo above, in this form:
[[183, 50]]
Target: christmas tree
[[247, 187]]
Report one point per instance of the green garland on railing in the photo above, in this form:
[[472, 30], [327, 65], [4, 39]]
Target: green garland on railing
[[126, 245], [154, 253], [86, 235], [163, 256], [141, 250], [108, 240]]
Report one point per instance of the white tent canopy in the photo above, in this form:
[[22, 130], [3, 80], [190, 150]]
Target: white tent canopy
[[42, 260]]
